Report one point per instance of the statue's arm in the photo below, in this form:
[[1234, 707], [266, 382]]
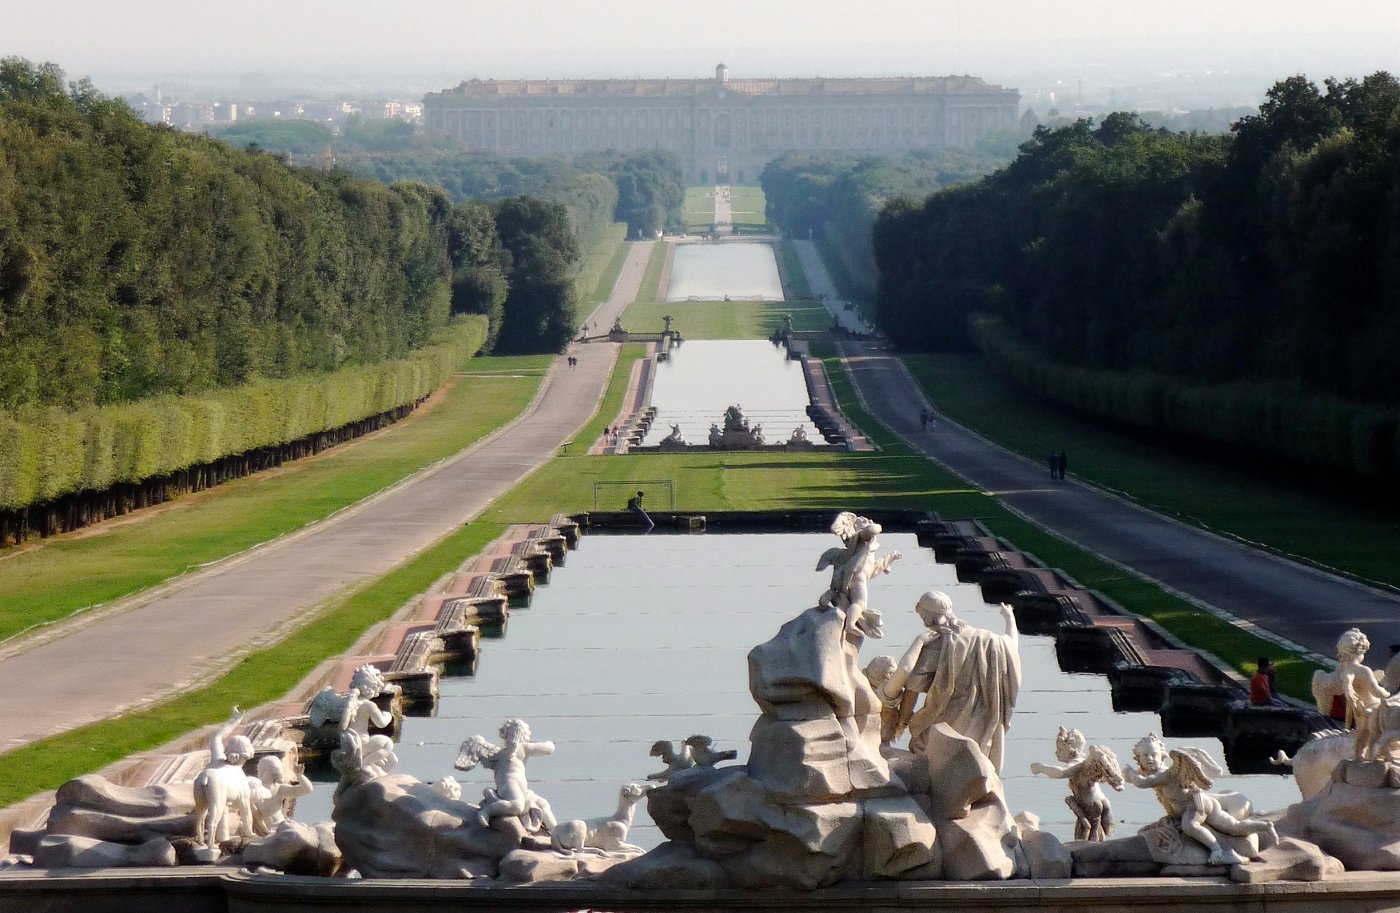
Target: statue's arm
[[1147, 781], [1053, 771], [538, 748], [1008, 617], [895, 683]]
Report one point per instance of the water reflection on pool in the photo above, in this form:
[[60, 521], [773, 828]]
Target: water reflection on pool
[[642, 638], [712, 272], [703, 377]]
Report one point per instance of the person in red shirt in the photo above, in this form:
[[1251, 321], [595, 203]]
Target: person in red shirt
[[1261, 686]]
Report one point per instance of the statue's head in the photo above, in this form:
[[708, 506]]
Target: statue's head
[[1151, 754], [238, 750], [1069, 745], [879, 670], [514, 730], [935, 610], [270, 770], [1352, 645], [367, 681]]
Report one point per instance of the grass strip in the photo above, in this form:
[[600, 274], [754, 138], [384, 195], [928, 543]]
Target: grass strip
[[1289, 517], [601, 266], [650, 289], [724, 319], [261, 677], [70, 573]]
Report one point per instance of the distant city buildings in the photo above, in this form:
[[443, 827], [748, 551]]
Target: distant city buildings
[[199, 115]]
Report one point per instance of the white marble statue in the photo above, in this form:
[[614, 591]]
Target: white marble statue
[[878, 672], [675, 436], [448, 788], [511, 797], [1180, 778], [675, 759], [1085, 768], [362, 758], [1352, 692], [798, 436], [271, 791], [222, 787], [354, 709], [602, 836], [969, 678], [703, 754], [852, 565]]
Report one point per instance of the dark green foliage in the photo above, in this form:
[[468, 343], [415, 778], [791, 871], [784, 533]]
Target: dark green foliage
[[1270, 255], [650, 188], [540, 310]]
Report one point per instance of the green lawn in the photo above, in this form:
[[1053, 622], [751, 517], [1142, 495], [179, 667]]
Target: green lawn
[[598, 272], [750, 208], [69, 573], [724, 319], [698, 211], [1355, 538]]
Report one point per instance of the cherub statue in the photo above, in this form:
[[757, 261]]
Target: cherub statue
[[271, 791], [852, 566], [1352, 692], [878, 672], [354, 709], [1180, 778], [511, 797], [1093, 816], [223, 787], [448, 788]]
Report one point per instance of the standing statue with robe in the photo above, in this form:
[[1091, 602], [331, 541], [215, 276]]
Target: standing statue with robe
[[969, 678]]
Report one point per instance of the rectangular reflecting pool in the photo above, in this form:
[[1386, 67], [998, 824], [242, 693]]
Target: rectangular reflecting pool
[[713, 272], [640, 638], [703, 377]]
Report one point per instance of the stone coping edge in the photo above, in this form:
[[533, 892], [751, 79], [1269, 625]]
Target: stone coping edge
[[227, 889]]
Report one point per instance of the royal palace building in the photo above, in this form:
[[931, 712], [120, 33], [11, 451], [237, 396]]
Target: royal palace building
[[721, 128]]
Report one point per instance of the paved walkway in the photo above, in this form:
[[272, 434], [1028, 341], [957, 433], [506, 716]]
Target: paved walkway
[[1299, 604], [162, 642]]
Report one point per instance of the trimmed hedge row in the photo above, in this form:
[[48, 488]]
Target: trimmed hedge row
[[1270, 418], [48, 452]]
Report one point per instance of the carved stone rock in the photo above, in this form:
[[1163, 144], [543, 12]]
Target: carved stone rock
[[61, 851], [1288, 860], [296, 849], [1356, 824], [398, 827]]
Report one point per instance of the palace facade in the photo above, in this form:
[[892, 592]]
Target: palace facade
[[722, 129]]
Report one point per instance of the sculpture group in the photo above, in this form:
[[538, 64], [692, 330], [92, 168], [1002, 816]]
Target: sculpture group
[[831, 789]]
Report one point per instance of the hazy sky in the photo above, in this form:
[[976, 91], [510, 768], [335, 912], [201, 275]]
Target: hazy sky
[[120, 41]]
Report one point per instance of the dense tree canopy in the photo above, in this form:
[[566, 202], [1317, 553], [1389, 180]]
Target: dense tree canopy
[[136, 260], [1272, 253], [540, 312]]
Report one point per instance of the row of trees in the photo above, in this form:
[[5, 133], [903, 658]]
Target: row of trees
[[838, 196], [136, 260], [646, 190], [1270, 254]]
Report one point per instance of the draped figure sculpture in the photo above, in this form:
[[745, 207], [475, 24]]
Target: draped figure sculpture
[[969, 678]]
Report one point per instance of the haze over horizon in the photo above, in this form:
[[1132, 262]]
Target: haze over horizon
[[421, 45]]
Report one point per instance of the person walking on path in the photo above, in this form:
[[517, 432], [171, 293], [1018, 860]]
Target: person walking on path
[[1053, 461], [1060, 465], [635, 505]]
